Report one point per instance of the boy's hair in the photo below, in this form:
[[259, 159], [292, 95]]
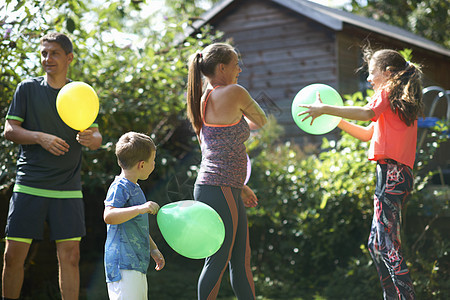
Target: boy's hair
[[60, 38], [132, 148], [404, 84]]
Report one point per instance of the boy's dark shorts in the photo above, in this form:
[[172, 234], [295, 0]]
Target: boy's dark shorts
[[27, 215]]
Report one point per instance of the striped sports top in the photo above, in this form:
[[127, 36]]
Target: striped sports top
[[224, 159]]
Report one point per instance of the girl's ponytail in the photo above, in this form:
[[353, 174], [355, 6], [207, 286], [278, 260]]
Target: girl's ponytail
[[406, 93]]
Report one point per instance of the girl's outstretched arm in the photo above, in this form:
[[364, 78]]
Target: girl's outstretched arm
[[318, 108]]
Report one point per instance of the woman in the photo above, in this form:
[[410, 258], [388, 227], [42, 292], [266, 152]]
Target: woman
[[222, 117]]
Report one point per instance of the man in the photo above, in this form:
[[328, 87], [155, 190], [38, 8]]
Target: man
[[48, 180]]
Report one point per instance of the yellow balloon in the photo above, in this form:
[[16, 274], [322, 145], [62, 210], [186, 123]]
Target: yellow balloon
[[77, 105]]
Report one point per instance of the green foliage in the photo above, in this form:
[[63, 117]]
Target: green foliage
[[313, 213], [187, 10], [425, 18], [427, 220], [311, 225], [17, 34], [138, 73], [406, 53]]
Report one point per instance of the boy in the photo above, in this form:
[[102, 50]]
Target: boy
[[128, 244]]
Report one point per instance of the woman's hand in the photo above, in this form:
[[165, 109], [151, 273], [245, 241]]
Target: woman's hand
[[248, 197]]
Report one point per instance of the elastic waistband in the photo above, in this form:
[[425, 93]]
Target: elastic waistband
[[388, 161], [18, 188], [393, 162]]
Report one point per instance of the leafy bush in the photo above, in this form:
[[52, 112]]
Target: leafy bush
[[309, 231], [427, 220], [141, 84], [313, 216]]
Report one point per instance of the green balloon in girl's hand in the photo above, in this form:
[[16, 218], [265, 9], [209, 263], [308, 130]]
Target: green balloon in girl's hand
[[307, 95], [191, 228]]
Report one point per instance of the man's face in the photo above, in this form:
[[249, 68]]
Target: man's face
[[54, 60]]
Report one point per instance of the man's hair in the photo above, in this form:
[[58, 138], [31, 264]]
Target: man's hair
[[132, 148], [60, 38]]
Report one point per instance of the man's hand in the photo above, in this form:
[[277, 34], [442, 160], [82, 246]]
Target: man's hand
[[53, 144], [86, 138]]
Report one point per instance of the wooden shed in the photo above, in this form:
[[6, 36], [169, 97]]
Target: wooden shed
[[286, 45]]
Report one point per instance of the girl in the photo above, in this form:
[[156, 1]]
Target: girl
[[222, 117], [393, 110]]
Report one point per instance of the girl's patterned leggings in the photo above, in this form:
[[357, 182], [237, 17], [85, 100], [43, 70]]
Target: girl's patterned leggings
[[394, 183]]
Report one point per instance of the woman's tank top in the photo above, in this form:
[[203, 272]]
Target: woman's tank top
[[224, 159]]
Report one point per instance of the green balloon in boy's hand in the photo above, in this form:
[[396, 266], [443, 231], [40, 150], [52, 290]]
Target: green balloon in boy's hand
[[191, 228], [308, 95]]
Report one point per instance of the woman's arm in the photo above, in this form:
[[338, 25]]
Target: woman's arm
[[254, 115]]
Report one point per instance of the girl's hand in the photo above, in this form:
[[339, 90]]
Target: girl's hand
[[158, 258], [248, 197], [314, 110]]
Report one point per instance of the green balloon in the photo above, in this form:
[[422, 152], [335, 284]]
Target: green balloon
[[307, 95], [191, 228]]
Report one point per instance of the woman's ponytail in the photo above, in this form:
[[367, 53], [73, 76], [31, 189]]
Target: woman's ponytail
[[194, 91]]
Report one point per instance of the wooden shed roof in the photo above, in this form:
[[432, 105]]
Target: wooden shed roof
[[334, 19]]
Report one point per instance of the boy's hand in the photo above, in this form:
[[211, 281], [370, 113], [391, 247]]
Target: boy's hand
[[158, 258], [149, 207]]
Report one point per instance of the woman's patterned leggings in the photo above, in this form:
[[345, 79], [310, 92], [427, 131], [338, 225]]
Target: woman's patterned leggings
[[235, 250], [394, 183]]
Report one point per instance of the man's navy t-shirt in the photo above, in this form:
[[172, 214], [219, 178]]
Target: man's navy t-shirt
[[38, 171]]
